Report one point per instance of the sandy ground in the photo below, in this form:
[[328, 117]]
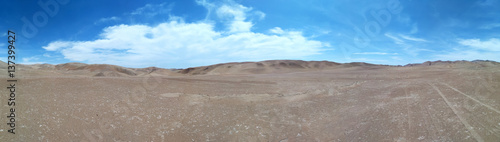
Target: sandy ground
[[423, 103]]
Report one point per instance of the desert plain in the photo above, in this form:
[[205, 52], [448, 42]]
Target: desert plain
[[276, 101]]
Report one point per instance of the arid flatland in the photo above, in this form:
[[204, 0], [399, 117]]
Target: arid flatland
[[257, 101]]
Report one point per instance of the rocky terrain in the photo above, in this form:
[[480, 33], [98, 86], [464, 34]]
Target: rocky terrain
[[277, 100]]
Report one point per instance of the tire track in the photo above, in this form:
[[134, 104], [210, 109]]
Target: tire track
[[466, 124], [485, 105]]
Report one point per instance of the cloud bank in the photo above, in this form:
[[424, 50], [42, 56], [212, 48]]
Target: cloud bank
[[492, 44], [474, 49], [175, 43]]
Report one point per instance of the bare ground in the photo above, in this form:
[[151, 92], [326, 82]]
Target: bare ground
[[421, 103]]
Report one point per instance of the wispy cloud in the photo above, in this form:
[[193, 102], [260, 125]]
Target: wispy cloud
[[260, 14], [176, 43], [468, 55], [493, 44], [401, 39], [236, 16], [55, 45], [30, 60], [396, 39], [153, 9], [277, 30], [490, 26], [412, 38], [369, 60], [475, 49], [209, 6], [108, 19], [375, 53], [486, 2]]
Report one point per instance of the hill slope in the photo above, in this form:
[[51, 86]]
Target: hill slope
[[262, 67]]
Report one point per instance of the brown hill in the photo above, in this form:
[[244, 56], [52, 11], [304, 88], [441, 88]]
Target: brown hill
[[456, 64], [319, 101], [270, 66], [262, 67], [285, 66], [3, 65], [97, 70]]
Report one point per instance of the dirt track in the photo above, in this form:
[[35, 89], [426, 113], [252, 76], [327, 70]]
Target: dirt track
[[433, 103]]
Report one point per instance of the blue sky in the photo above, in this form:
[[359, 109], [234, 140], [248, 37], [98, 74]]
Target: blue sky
[[187, 33]]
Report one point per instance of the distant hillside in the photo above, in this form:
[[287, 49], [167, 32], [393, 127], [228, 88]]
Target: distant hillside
[[270, 66], [481, 63], [97, 70], [283, 66], [262, 67]]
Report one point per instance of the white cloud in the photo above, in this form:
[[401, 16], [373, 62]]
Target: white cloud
[[412, 38], [53, 46], [179, 44], [237, 12], [240, 26], [401, 39], [469, 55], [369, 60], [492, 44], [490, 26], [375, 53], [479, 50], [486, 2], [277, 30], [236, 16], [396, 40], [29, 60], [260, 14], [153, 10], [104, 20], [208, 6]]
